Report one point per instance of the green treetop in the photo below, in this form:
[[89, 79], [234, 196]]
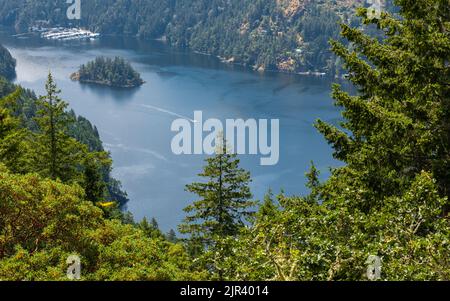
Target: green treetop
[[391, 198], [224, 204], [398, 124], [14, 139], [57, 153]]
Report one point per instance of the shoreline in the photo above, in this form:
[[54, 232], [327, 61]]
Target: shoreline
[[222, 60]]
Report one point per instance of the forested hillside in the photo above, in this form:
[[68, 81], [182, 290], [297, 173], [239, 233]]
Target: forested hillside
[[7, 63], [287, 35], [57, 199], [43, 222], [80, 128]]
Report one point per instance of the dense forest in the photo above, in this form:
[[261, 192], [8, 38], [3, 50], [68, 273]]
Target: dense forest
[[114, 72], [389, 199], [26, 110], [7, 64], [286, 35]]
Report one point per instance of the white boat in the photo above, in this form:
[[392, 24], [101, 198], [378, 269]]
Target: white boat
[[69, 34]]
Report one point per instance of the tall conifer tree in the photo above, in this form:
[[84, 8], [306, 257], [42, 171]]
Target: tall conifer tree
[[400, 119], [58, 155], [223, 206]]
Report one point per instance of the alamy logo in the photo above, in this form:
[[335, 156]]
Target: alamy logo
[[374, 11], [74, 268], [74, 10], [373, 268], [237, 132]]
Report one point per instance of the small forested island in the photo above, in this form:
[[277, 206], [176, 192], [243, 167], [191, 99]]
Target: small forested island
[[114, 72]]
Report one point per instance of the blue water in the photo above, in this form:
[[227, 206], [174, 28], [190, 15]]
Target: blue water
[[135, 124]]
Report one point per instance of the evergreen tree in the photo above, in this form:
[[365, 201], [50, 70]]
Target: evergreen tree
[[399, 121], [93, 182], [58, 155], [14, 140], [172, 236], [268, 208], [224, 204], [313, 184], [150, 229]]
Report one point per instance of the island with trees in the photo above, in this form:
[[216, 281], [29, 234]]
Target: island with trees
[[113, 72]]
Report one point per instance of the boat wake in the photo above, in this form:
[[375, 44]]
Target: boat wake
[[168, 112]]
